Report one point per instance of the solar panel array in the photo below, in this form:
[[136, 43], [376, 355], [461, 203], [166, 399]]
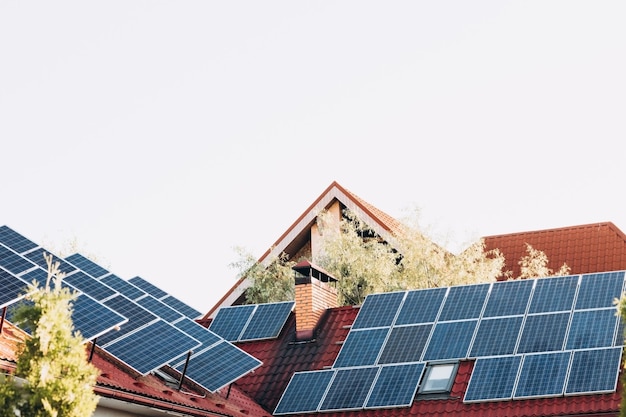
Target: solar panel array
[[153, 328], [531, 338], [251, 321]]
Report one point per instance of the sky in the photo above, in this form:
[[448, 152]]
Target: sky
[[158, 136]]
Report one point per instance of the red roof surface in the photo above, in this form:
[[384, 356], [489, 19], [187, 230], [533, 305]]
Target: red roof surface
[[597, 247]]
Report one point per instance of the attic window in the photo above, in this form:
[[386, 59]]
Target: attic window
[[438, 378]]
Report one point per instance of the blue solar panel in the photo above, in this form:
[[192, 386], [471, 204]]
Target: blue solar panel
[[496, 336], [219, 365], [15, 241], [92, 319], [450, 340], [592, 329], [464, 302], [37, 256], [553, 294], [36, 274], [13, 288], [395, 386], [87, 265], [421, 306], [348, 389], [229, 322], [158, 308], [148, 287], [406, 344], [178, 305], [594, 371], [508, 298], [202, 334], [304, 392], [267, 321], [543, 333], [493, 379], [122, 286], [151, 347], [599, 290], [361, 347], [378, 310], [89, 286], [13, 262], [542, 375], [137, 317]]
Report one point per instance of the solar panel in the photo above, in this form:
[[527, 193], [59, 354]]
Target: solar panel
[[178, 305], [594, 371], [304, 392], [450, 340], [93, 319], [229, 322], [542, 375], [497, 336], [90, 286], [592, 328], [543, 333], [37, 256], [361, 347], [349, 388], [509, 298], [15, 241], [267, 321], [148, 287], [553, 294], [13, 288], [137, 317], [152, 346], [122, 286], [158, 308], [421, 306], [87, 265], [406, 344], [599, 290], [219, 365], [464, 302], [202, 334], [378, 310], [395, 386], [493, 379], [13, 262]]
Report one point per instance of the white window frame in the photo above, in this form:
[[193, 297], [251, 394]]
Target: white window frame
[[444, 373]]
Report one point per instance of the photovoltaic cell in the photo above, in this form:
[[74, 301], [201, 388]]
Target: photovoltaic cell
[[178, 305], [229, 322], [219, 365], [202, 334], [151, 347], [594, 371], [122, 286], [349, 388], [395, 386], [13, 262], [450, 340], [93, 319], [13, 288], [137, 317], [465, 302], [15, 241], [267, 321], [361, 347], [148, 287], [158, 308], [496, 336], [90, 286], [543, 333], [304, 392], [509, 298], [553, 294], [86, 265], [378, 310], [493, 379], [542, 375], [592, 329], [37, 256], [405, 344], [421, 306], [599, 290]]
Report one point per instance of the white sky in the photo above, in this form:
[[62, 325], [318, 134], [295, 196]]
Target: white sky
[[160, 135]]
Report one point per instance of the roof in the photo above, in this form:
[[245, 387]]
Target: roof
[[585, 248]]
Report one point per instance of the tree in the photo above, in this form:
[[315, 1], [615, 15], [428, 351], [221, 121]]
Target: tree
[[58, 380], [621, 312], [535, 264]]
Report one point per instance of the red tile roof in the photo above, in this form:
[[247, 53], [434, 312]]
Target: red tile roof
[[597, 247]]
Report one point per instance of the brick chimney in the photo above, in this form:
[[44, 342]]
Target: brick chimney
[[315, 293]]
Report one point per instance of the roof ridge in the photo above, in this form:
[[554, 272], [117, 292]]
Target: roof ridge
[[559, 229]]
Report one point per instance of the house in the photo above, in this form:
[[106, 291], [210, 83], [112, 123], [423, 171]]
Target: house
[[310, 339]]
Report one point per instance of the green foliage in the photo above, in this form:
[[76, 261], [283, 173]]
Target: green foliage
[[58, 380], [270, 283]]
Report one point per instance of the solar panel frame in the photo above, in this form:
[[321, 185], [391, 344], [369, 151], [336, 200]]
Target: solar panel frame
[[362, 347], [87, 265], [122, 286], [195, 330], [542, 375], [395, 348], [464, 302], [379, 310], [267, 321], [159, 309], [543, 332], [554, 294], [148, 287], [592, 329], [496, 336], [137, 317], [450, 340], [181, 307], [493, 379], [94, 319], [395, 385], [304, 392], [14, 262], [349, 389], [90, 286], [599, 290], [508, 298], [229, 322], [594, 371], [421, 306]]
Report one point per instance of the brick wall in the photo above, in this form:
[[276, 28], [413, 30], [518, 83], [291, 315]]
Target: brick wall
[[312, 299]]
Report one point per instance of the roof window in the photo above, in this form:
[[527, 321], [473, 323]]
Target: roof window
[[438, 378]]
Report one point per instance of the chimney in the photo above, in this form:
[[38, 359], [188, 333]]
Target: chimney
[[315, 293]]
